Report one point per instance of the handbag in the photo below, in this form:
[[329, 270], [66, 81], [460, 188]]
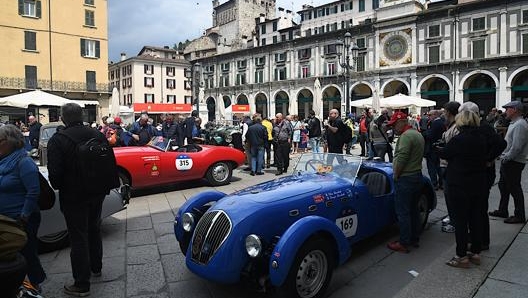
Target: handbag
[[12, 238], [46, 198]]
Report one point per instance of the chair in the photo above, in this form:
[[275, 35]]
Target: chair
[[376, 183]]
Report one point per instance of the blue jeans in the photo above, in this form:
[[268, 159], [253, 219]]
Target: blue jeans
[[257, 159], [35, 272], [433, 168], [315, 144], [407, 191]]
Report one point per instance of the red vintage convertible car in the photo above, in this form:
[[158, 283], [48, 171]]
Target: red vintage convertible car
[[163, 163]]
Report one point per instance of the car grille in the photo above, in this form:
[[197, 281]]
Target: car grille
[[211, 231]]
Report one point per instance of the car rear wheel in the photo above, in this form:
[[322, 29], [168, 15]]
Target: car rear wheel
[[423, 209], [219, 173], [53, 242], [311, 271]]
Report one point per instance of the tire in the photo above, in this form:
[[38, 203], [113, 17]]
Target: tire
[[311, 271], [123, 179], [219, 173], [423, 209], [53, 242]]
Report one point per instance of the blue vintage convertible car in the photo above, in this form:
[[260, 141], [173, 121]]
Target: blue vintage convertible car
[[291, 232]]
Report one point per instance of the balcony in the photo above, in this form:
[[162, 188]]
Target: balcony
[[47, 85]]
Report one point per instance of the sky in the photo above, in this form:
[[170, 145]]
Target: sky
[[137, 23]]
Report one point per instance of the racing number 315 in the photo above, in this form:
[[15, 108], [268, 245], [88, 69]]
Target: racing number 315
[[183, 162]]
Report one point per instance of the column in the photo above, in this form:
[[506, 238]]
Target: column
[[413, 90], [459, 89], [503, 32], [503, 91]]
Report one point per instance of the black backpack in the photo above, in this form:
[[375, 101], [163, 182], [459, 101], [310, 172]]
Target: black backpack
[[95, 164], [347, 134]]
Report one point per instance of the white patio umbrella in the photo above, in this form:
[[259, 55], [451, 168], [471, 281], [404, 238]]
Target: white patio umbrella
[[317, 98], [405, 101], [36, 98], [220, 104], [362, 103], [114, 103]]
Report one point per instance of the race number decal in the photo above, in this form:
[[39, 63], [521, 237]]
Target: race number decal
[[348, 225], [184, 163]]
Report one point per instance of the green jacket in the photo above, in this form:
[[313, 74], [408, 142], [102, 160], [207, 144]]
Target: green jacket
[[409, 151]]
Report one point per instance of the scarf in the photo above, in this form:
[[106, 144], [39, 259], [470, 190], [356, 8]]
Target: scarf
[[8, 163]]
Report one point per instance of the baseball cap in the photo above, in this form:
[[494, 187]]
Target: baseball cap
[[515, 104], [117, 120], [397, 116]]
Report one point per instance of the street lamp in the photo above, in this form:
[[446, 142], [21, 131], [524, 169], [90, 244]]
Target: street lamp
[[347, 49], [196, 68]]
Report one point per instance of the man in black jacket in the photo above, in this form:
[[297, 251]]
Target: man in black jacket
[[257, 136], [34, 131], [314, 132], [81, 210]]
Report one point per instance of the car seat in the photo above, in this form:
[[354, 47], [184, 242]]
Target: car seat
[[376, 183]]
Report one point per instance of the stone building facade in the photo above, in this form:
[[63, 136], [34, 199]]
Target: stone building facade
[[448, 50]]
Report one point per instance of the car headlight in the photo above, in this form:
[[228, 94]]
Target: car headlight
[[253, 245], [229, 138], [187, 221]]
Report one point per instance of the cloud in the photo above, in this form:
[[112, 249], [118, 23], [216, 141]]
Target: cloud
[[137, 23]]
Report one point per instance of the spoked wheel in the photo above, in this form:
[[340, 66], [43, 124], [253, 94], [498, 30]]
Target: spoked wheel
[[423, 209], [53, 241], [311, 272], [219, 173]]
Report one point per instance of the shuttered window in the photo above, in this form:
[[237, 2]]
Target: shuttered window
[[30, 8], [91, 84], [434, 54], [89, 18], [90, 48], [30, 40], [31, 76]]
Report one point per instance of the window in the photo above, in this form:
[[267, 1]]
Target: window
[[209, 68], [330, 68], [260, 61], [308, 32], [117, 74], [149, 98], [124, 83], [525, 16], [259, 76], [361, 5], [360, 43], [148, 82], [148, 69], [187, 99], [224, 81], [171, 83], [241, 64], [129, 99], [280, 57], [89, 2], [112, 75], [305, 71], [129, 82], [123, 71], [30, 41], [525, 43], [31, 77], [90, 48], [171, 98], [263, 43], [240, 79], [275, 39], [225, 66], [304, 53], [375, 4], [30, 8], [434, 30], [330, 49], [208, 82], [263, 29], [89, 18], [274, 26], [170, 71], [479, 24], [187, 85], [479, 48], [283, 37], [124, 99], [129, 70], [434, 54], [91, 84], [360, 62], [280, 74]]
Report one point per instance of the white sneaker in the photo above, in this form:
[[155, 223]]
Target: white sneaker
[[446, 221]]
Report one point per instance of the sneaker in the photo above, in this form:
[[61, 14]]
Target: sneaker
[[514, 220], [446, 221], [498, 213], [459, 262], [448, 229], [260, 173], [74, 290], [397, 246], [28, 293]]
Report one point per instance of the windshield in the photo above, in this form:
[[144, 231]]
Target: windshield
[[344, 166], [160, 143]]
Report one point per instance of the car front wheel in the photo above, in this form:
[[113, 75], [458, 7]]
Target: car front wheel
[[52, 242], [312, 270], [219, 174]]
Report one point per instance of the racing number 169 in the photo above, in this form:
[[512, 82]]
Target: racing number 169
[[348, 225]]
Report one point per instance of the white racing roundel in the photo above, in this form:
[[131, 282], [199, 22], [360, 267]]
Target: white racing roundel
[[348, 225], [184, 162]]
